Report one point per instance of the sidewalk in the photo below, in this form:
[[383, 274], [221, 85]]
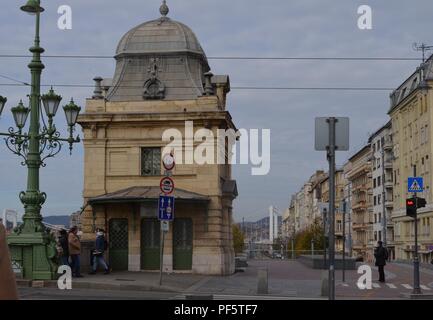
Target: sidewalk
[[285, 278]]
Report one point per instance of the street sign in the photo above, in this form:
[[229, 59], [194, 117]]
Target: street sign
[[167, 185], [341, 134], [415, 184], [166, 208], [165, 226], [168, 162]]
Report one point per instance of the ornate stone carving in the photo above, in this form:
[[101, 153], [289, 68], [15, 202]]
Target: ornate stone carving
[[153, 87]]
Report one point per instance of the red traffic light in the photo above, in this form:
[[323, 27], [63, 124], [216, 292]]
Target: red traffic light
[[410, 202]]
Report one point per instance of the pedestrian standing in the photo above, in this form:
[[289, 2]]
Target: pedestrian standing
[[64, 245], [98, 253], [381, 255], [8, 288], [75, 252]]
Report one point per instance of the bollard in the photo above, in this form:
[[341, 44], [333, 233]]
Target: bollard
[[325, 284], [262, 283]]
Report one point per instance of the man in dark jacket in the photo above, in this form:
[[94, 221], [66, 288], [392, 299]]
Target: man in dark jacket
[[98, 253], [63, 241], [381, 255]]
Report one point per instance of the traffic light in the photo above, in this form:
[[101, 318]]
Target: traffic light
[[411, 207], [421, 203], [413, 204]]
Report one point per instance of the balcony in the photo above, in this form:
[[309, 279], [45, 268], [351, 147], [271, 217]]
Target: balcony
[[360, 205], [389, 204], [388, 164], [388, 145], [359, 225], [388, 184]]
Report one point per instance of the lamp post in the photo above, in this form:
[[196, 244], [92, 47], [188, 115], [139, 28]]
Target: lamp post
[[33, 249]]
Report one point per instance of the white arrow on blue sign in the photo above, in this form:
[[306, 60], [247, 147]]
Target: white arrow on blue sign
[[166, 208], [415, 184]]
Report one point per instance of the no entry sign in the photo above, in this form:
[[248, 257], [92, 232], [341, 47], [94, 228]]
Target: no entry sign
[[167, 185]]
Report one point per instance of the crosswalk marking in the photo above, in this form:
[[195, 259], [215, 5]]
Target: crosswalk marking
[[392, 286], [407, 286], [424, 287], [375, 285]]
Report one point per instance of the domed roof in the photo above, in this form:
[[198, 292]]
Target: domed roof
[[158, 36], [159, 59]]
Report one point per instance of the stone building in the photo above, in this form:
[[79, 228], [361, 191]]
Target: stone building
[[412, 120], [162, 80], [381, 161], [340, 183], [359, 176]]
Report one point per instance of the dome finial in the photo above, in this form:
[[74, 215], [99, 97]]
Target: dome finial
[[164, 10]]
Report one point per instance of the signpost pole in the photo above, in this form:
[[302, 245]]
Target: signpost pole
[[331, 159], [161, 255], [416, 286], [344, 240]]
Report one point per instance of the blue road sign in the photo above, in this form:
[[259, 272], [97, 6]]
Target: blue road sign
[[166, 208], [415, 184]]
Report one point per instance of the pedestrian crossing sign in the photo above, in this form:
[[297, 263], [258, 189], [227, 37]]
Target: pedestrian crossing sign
[[415, 184]]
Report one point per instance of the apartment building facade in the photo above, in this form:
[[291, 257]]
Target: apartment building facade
[[359, 176], [412, 119], [382, 175]]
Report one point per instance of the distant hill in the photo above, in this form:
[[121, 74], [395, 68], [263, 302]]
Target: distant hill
[[58, 220]]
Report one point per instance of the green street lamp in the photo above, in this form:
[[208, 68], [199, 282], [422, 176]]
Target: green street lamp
[[32, 7], [51, 103], [71, 111], [3, 101], [33, 248], [20, 113]]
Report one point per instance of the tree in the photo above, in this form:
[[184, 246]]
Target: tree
[[313, 232], [238, 239]]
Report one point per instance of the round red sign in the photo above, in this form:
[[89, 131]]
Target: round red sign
[[167, 185]]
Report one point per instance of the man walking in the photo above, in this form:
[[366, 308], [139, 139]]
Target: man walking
[[381, 255], [98, 253], [75, 251]]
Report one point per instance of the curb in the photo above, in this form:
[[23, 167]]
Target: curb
[[96, 286], [110, 286]]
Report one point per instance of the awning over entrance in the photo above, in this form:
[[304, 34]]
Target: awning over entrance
[[146, 194]]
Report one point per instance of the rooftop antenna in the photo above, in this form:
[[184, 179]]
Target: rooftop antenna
[[422, 47]]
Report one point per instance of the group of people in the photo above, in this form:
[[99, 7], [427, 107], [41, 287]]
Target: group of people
[[70, 251]]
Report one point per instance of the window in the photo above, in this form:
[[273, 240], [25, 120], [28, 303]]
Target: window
[[375, 235], [380, 235], [375, 218], [374, 183], [378, 199], [150, 161], [374, 200], [378, 181]]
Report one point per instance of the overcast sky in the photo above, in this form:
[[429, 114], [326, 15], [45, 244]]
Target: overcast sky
[[274, 28]]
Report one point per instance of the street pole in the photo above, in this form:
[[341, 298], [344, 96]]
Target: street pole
[[331, 158], [384, 223], [293, 249], [312, 248], [416, 280], [161, 253], [324, 238], [350, 219], [344, 240]]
